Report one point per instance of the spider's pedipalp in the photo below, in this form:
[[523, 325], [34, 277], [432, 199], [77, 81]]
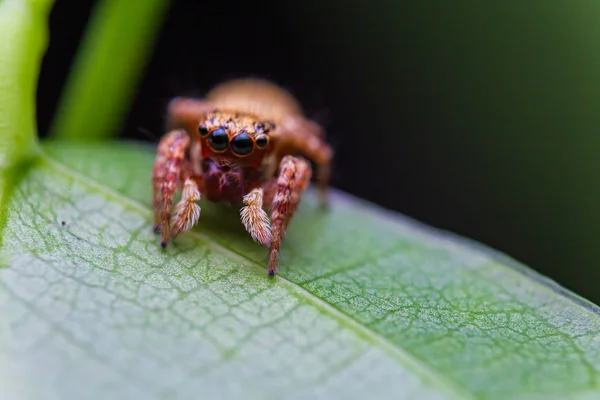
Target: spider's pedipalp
[[187, 212], [254, 217], [294, 176]]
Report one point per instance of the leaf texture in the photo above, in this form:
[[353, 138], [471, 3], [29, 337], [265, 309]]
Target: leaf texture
[[367, 303]]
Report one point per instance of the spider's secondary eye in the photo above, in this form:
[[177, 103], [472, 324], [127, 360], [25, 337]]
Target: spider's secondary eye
[[242, 144], [203, 130], [218, 139], [262, 141]]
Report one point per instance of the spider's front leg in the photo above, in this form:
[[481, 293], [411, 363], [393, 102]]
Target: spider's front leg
[[184, 113], [294, 176], [170, 167]]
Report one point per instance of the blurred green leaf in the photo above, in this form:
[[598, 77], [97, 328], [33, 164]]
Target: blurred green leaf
[[367, 304], [109, 64]]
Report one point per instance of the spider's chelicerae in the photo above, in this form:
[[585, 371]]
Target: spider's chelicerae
[[242, 145]]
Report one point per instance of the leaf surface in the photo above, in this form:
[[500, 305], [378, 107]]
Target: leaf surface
[[367, 304]]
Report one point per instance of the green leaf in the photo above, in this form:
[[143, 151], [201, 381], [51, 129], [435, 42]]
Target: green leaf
[[367, 304], [104, 76]]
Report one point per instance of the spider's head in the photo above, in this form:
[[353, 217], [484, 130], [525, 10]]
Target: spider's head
[[235, 138]]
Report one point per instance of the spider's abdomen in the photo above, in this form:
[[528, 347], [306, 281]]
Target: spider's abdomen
[[255, 96]]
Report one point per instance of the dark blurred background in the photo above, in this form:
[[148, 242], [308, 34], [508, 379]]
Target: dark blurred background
[[477, 117]]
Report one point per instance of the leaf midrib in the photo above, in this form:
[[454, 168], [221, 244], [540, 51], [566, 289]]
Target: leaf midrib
[[407, 359]]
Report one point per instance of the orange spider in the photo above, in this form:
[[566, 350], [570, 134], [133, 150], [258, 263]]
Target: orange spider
[[238, 145]]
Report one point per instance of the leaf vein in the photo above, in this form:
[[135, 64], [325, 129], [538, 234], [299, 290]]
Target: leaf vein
[[422, 368]]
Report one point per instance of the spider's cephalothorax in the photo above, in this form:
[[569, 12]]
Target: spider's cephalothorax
[[239, 145]]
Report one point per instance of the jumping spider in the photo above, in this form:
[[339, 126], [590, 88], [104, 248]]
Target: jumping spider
[[238, 145]]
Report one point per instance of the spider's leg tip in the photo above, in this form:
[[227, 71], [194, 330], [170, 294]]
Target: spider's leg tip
[[271, 273], [156, 228], [163, 244]]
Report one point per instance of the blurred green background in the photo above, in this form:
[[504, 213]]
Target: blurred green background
[[476, 117]]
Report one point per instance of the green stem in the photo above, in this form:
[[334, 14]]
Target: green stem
[[23, 41], [105, 74]]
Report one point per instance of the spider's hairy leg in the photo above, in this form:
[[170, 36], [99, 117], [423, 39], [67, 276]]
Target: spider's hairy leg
[[184, 113], [165, 178], [254, 217], [307, 136], [294, 176]]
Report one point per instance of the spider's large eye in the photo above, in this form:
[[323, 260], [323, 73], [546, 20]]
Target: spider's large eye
[[203, 130], [218, 139], [262, 141], [242, 144]]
